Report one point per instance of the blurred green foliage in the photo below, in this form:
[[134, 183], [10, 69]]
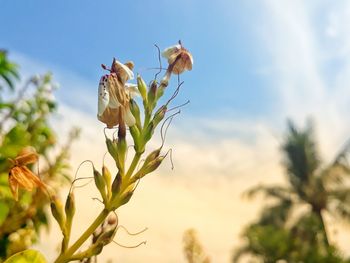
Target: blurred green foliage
[[28, 256], [24, 121], [193, 249], [292, 227]]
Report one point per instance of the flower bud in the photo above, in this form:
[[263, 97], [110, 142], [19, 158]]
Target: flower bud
[[141, 85], [112, 148], [57, 212], [70, 211], [100, 184], [107, 178], [136, 135], [148, 132], [70, 208], [135, 110], [152, 94], [121, 147], [116, 184]]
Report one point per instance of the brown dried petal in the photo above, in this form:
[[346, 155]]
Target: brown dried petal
[[13, 187], [18, 174], [26, 156], [110, 117]]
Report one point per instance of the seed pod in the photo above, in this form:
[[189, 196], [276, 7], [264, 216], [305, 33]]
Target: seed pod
[[148, 132], [159, 115], [141, 85], [135, 110], [153, 155], [152, 93], [95, 250], [106, 237], [107, 178], [100, 184], [70, 207], [116, 184], [148, 168], [112, 220], [57, 212], [126, 197], [70, 211], [112, 148], [153, 165]]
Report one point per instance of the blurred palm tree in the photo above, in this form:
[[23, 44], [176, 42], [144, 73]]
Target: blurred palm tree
[[293, 228]]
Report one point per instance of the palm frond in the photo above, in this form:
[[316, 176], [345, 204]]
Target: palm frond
[[279, 192], [301, 155]]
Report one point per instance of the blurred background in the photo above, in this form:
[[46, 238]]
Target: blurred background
[[256, 65]]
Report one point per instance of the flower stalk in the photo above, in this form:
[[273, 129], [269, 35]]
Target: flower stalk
[[118, 109]]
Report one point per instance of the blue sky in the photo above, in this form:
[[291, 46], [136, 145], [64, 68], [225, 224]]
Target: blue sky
[[78, 36]]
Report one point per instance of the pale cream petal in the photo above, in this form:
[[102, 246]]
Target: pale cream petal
[[126, 69], [129, 118], [168, 52], [132, 90]]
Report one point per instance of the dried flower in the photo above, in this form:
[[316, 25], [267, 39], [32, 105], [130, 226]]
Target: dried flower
[[114, 95], [20, 176], [179, 58]]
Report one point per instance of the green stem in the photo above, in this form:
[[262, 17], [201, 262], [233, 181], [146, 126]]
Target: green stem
[[65, 257], [133, 165], [147, 119]]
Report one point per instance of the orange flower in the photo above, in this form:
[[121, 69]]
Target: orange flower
[[20, 176]]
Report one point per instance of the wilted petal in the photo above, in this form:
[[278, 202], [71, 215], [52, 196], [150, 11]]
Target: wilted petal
[[179, 59], [170, 51], [110, 117], [113, 103], [184, 62], [123, 69], [26, 156], [32, 177], [17, 173], [13, 187]]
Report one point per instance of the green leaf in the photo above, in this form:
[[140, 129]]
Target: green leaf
[[27, 256]]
